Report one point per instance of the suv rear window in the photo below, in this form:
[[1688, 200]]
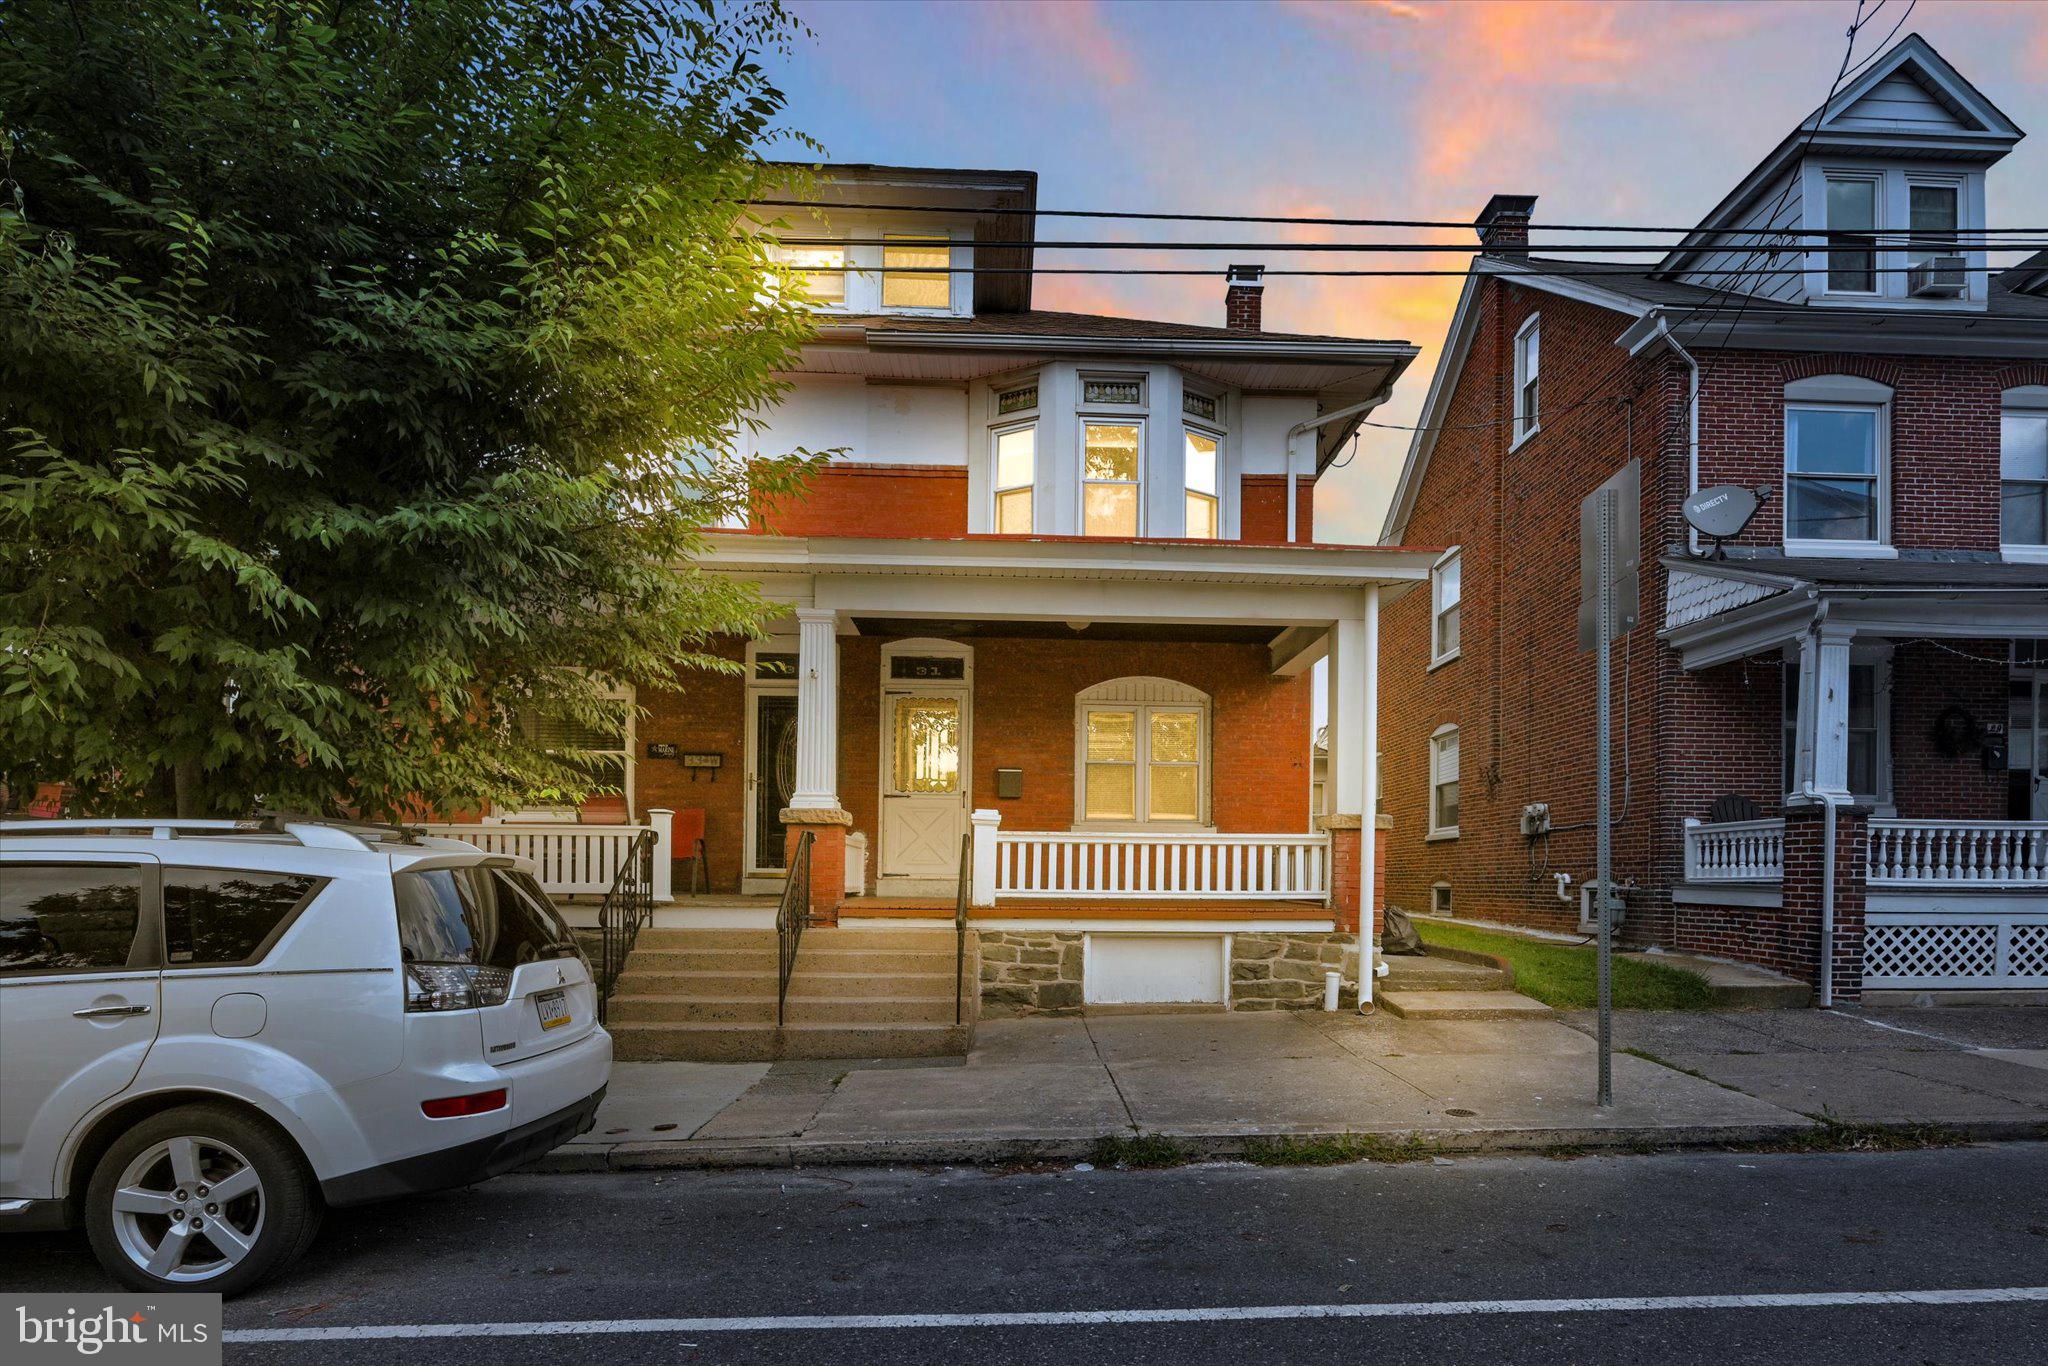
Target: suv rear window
[[487, 916], [68, 917], [220, 915]]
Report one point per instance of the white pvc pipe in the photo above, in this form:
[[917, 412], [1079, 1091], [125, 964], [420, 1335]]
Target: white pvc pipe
[[1827, 891], [1300, 429]]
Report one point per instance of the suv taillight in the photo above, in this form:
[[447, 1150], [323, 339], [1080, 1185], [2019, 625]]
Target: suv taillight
[[454, 986]]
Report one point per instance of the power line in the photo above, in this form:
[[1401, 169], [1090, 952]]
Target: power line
[[1294, 219], [1217, 273], [1864, 241]]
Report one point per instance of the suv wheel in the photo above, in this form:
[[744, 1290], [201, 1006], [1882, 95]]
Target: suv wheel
[[200, 1197]]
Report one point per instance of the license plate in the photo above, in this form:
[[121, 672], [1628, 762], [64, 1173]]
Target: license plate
[[553, 1007]]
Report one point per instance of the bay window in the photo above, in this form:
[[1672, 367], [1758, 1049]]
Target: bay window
[[1016, 473], [1204, 505], [1110, 477]]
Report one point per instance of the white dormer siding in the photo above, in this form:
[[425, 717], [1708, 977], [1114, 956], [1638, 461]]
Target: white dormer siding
[[1908, 123]]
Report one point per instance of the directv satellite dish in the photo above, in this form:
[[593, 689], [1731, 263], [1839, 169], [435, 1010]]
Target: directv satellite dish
[[1721, 512]]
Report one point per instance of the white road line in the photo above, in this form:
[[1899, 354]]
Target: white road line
[[1067, 1318]]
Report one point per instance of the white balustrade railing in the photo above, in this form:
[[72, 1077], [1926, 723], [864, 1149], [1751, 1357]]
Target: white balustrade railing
[[573, 860], [1166, 866], [1919, 853], [1735, 851]]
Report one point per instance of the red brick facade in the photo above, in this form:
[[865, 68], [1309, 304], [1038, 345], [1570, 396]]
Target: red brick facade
[[1522, 694], [874, 500]]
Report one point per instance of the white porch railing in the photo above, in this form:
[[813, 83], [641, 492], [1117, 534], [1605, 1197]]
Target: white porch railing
[[574, 860], [1958, 853], [1735, 851], [1166, 866]]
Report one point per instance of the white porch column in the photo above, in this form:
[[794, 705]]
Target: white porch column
[[1348, 715], [1369, 829], [1822, 727], [817, 711], [664, 822], [985, 823]]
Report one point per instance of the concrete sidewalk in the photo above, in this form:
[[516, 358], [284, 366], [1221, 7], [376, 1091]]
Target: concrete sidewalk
[[1041, 1090]]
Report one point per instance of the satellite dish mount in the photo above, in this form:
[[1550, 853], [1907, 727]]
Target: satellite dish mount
[[1722, 512]]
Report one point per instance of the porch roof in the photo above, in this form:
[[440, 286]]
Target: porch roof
[[1722, 610]]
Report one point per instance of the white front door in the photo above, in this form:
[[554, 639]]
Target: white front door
[[924, 776]]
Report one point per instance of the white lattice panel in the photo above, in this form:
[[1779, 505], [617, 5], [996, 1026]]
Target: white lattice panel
[[1995, 951]]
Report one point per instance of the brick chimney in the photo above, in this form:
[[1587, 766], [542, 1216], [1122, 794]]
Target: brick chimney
[[1243, 298], [1503, 225]]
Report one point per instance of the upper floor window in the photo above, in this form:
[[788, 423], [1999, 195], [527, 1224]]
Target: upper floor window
[[2023, 470], [820, 273], [1935, 211], [1204, 503], [1443, 782], [916, 271], [1445, 591], [1852, 223], [1110, 477], [1016, 465], [1528, 364], [1835, 456]]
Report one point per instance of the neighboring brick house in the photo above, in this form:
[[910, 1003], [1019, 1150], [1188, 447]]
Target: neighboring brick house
[[1057, 590], [1874, 644]]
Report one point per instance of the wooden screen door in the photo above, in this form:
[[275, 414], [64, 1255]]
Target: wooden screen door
[[924, 772]]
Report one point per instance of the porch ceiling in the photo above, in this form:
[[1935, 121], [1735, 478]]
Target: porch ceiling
[[1168, 632]]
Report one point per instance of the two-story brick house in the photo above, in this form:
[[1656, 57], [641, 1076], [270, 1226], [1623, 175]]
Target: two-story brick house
[[1056, 594], [1866, 669]]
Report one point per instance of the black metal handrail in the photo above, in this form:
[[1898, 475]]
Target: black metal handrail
[[963, 895], [791, 916], [628, 905]]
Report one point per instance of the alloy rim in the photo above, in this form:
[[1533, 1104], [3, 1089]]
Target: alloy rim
[[188, 1209]]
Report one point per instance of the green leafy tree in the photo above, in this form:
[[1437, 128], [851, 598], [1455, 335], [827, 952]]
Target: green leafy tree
[[365, 369]]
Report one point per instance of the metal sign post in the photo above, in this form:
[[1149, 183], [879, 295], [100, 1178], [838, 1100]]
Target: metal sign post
[[1610, 552]]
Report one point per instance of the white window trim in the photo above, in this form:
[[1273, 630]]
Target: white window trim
[[1100, 417], [1192, 700], [1436, 606], [1216, 434], [1526, 429], [996, 487], [568, 814], [2030, 400], [1436, 740], [1449, 906], [1874, 179], [1841, 393]]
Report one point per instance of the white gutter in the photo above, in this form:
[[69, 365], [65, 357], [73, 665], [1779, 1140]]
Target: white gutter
[[1301, 429]]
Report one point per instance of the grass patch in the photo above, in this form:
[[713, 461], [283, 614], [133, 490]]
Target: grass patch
[[1563, 976], [1329, 1150], [1834, 1135], [1139, 1150]]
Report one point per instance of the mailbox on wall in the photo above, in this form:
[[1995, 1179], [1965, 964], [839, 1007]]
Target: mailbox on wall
[[1009, 782]]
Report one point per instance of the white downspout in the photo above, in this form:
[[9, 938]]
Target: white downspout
[[1301, 429], [1827, 891], [1692, 460]]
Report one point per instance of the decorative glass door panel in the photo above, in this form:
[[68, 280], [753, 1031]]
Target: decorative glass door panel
[[923, 798]]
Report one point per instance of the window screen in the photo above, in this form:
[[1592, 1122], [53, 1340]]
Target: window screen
[[219, 915]]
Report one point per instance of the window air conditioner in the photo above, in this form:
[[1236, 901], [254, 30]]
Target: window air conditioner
[[1938, 277]]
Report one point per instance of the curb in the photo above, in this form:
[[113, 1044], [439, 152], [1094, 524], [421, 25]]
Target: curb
[[971, 1150]]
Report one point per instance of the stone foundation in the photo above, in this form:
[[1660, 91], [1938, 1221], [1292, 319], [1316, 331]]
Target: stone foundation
[[1285, 971], [1030, 972]]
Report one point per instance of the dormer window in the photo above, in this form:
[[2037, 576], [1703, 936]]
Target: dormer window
[[1852, 225], [1936, 214], [916, 271], [820, 273]]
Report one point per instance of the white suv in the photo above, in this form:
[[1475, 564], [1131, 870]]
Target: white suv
[[210, 1030]]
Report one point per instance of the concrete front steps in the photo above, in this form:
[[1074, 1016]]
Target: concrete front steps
[[708, 995], [1453, 984]]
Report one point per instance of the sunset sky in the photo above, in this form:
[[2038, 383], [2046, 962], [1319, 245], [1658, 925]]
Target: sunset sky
[[1628, 113]]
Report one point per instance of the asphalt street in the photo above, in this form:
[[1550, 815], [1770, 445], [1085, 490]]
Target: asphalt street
[[1537, 1259]]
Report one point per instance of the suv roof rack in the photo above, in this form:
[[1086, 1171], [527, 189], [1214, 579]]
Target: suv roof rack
[[316, 832]]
